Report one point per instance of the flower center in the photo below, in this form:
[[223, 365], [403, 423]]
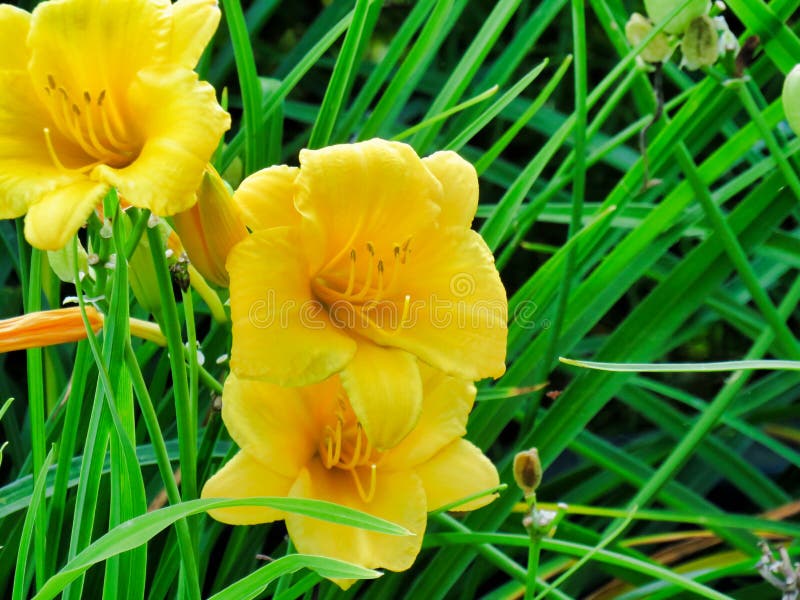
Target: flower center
[[368, 281], [91, 122], [344, 445]]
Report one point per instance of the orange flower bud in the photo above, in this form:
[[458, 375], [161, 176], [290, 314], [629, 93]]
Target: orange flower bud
[[46, 328], [211, 228]]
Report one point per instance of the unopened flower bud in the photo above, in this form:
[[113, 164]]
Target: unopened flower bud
[[639, 27], [63, 262], [528, 470], [211, 228], [659, 10], [791, 99], [700, 44]]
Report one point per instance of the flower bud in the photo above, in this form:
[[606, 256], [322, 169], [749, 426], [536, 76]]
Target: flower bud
[[700, 44], [659, 10], [791, 99], [211, 228], [528, 471], [46, 328], [63, 262], [639, 27], [142, 274]]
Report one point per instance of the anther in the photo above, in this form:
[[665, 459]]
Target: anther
[[51, 81], [76, 110], [371, 248], [87, 97], [101, 97]]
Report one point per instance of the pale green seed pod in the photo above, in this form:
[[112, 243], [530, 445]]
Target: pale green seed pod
[[700, 44], [658, 11], [636, 29], [791, 99], [528, 471]]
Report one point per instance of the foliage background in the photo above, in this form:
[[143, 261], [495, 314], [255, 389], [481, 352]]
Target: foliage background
[[701, 266]]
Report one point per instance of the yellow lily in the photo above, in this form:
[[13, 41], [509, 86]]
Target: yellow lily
[[361, 261], [306, 442], [101, 93]]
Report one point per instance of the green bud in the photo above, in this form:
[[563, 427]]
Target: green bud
[[700, 44], [659, 10], [791, 99], [639, 27], [63, 262]]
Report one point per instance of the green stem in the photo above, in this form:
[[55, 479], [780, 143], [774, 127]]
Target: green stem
[[185, 544], [172, 329], [36, 411], [534, 550]]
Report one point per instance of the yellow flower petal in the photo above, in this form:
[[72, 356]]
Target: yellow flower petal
[[385, 391], [27, 171], [181, 123], [351, 194], [457, 306], [14, 26], [399, 498], [95, 45], [271, 422], [245, 477], [460, 187], [446, 404], [53, 220], [459, 470], [193, 25], [266, 198], [280, 334]]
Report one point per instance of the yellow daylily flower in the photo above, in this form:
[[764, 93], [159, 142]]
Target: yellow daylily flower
[[361, 261], [62, 325], [306, 442], [101, 93]]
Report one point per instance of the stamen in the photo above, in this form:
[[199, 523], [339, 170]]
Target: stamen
[[370, 269], [351, 464], [91, 130], [373, 481], [351, 278], [379, 293], [406, 310], [393, 278], [338, 445], [51, 81], [405, 251], [329, 451], [54, 157]]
